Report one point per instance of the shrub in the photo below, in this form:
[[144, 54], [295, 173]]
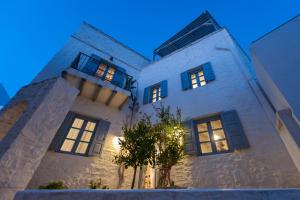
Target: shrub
[[54, 185]]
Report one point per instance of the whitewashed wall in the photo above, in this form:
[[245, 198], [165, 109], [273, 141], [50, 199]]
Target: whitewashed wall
[[266, 163]]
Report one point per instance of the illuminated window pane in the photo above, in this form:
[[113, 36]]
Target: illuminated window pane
[[86, 136], [90, 126], [219, 134], [110, 74], [67, 145], [82, 147], [73, 133], [204, 137], [200, 73], [194, 81], [193, 76], [216, 124], [202, 83], [206, 147], [202, 127], [77, 123], [201, 78], [222, 146], [101, 69]]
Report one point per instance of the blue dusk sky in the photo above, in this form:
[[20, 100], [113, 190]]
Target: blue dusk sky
[[33, 31]]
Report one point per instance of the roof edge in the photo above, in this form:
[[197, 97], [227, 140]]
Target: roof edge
[[115, 40], [274, 29]]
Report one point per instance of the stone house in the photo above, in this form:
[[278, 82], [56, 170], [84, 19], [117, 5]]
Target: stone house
[[64, 125]]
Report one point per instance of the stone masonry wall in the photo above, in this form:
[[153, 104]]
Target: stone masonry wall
[[78, 171], [25, 144]]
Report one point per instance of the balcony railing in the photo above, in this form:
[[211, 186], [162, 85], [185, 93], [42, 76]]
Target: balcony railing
[[103, 70]]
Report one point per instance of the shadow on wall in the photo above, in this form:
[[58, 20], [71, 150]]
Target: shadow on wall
[[9, 116]]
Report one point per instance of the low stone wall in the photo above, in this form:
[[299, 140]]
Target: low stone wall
[[187, 194]]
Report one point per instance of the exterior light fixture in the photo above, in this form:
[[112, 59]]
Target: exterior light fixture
[[116, 143]]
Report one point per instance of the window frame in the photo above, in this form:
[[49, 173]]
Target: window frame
[[210, 134], [158, 93], [108, 67], [78, 139], [196, 72]]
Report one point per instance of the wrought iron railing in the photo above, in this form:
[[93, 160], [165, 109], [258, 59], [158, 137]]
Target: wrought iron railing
[[90, 65]]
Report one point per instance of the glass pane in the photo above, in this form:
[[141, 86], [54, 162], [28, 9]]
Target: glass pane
[[154, 91], [200, 73], [77, 123], [204, 137], [206, 147], [193, 76], [73, 133], [86, 136], [101, 70], [219, 134], [90, 126], [67, 145], [202, 127], [222, 146], [216, 124], [201, 78], [202, 83], [82, 147], [110, 74], [194, 81]]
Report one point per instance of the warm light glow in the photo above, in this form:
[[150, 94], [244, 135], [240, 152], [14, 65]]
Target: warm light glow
[[216, 137], [115, 142]]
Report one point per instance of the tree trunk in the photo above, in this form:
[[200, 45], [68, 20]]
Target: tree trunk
[[133, 179]]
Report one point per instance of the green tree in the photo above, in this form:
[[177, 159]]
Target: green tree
[[137, 148], [169, 132]]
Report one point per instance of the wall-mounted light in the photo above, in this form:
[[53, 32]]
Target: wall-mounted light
[[116, 143]]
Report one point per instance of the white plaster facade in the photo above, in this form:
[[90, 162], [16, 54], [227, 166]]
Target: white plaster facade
[[265, 164], [276, 61]]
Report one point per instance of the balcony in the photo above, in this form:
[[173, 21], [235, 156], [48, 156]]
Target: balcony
[[99, 80]]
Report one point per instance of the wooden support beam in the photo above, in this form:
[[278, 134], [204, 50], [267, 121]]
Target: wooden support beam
[[111, 97], [81, 84], [96, 92], [123, 103]]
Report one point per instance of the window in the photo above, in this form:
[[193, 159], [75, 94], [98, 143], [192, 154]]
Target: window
[[156, 93], [105, 72], [197, 79], [212, 138], [79, 136]]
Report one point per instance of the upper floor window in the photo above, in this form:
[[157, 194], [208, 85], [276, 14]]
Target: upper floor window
[[212, 138], [196, 77], [106, 72], [155, 92], [79, 136]]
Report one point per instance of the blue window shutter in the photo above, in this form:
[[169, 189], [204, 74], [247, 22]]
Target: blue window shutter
[[190, 146], [99, 138], [208, 72], [62, 131], [234, 130], [185, 80], [119, 77], [146, 95], [92, 65], [164, 89]]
